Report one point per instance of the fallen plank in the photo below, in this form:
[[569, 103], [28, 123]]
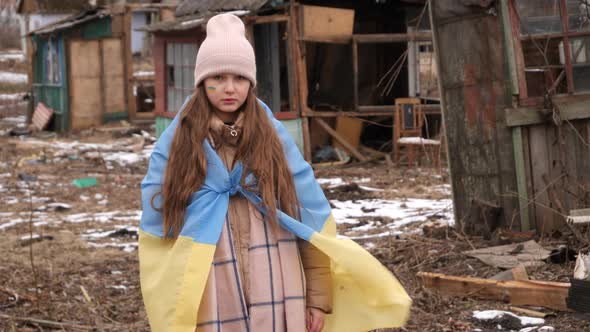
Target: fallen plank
[[517, 292]]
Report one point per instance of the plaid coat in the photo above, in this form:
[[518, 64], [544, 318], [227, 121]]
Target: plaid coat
[[173, 274]]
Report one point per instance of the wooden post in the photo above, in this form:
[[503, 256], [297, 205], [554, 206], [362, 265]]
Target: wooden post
[[355, 74], [351, 149], [300, 76], [132, 111], [306, 138]]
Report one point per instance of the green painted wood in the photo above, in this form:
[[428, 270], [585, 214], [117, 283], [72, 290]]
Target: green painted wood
[[99, 28], [108, 117], [295, 128], [53, 95], [521, 179], [510, 69], [161, 125]]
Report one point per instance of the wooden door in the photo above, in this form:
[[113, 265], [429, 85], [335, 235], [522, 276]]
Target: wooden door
[[113, 77], [85, 84], [97, 82]]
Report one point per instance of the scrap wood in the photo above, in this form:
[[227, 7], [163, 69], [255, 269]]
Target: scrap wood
[[531, 312], [528, 253], [47, 323], [547, 294], [347, 146], [41, 116], [517, 273]]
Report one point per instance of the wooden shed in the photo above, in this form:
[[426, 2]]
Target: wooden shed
[[80, 69], [516, 103], [308, 58]]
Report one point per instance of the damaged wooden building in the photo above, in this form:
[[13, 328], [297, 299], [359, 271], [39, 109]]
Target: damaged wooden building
[[516, 104], [87, 68], [331, 71]]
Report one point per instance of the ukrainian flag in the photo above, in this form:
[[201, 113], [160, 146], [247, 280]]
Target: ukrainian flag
[[174, 273]]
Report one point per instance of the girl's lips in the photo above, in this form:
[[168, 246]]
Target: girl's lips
[[228, 101]]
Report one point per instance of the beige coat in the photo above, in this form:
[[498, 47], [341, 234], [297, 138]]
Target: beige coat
[[316, 265]]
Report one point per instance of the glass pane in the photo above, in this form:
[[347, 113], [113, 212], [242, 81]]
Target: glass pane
[[170, 76], [187, 77], [179, 99], [170, 100], [538, 16], [581, 78], [580, 48], [169, 54], [177, 54], [192, 77], [189, 54], [177, 77], [578, 15]]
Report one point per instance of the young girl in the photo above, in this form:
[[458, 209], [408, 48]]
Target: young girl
[[236, 234]]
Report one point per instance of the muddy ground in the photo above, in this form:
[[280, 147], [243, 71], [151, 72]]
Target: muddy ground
[[81, 268]]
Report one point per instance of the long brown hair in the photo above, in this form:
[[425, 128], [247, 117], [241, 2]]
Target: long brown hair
[[259, 149]]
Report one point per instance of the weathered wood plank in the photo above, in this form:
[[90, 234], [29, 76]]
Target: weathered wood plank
[[521, 179], [528, 174], [518, 292], [522, 116], [540, 168], [326, 22]]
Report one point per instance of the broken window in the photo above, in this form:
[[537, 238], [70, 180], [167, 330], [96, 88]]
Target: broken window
[[543, 28], [180, 68], [52, 62]]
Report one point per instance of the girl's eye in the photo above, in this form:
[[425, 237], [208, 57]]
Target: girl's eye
[[218, 77], [240, 78]]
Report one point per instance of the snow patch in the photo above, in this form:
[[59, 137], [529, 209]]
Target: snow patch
[[8, 77]]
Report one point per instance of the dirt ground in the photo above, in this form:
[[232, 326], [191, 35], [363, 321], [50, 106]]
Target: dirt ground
[[81, 270]]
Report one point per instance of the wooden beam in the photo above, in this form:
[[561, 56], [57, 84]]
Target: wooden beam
[[392, 37], [278, 18], [306, 138], [523, 116], [149, 5], [355, 74], [517, 292], [352, 150], [131, 106], [327, 40]]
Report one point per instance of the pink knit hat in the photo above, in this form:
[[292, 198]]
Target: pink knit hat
[[225, 50]]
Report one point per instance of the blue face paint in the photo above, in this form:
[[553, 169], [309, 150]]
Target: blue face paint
[[212, 88]]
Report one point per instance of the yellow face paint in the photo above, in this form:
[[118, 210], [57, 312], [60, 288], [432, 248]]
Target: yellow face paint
[[211, 88]]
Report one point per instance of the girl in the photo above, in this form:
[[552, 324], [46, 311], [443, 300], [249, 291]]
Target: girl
[[236, 234]]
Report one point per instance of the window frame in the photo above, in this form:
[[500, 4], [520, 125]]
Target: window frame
[[565, 36]]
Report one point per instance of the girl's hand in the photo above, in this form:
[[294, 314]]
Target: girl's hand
[[314, 320]]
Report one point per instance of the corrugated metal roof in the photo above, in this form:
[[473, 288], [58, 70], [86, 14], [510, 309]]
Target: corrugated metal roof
[[192, 7], [72, 21], [186, 22]]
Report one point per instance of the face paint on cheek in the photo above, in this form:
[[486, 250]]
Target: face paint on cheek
[[211, 88]]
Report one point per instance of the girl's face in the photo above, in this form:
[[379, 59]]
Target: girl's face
[[227, 92]]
